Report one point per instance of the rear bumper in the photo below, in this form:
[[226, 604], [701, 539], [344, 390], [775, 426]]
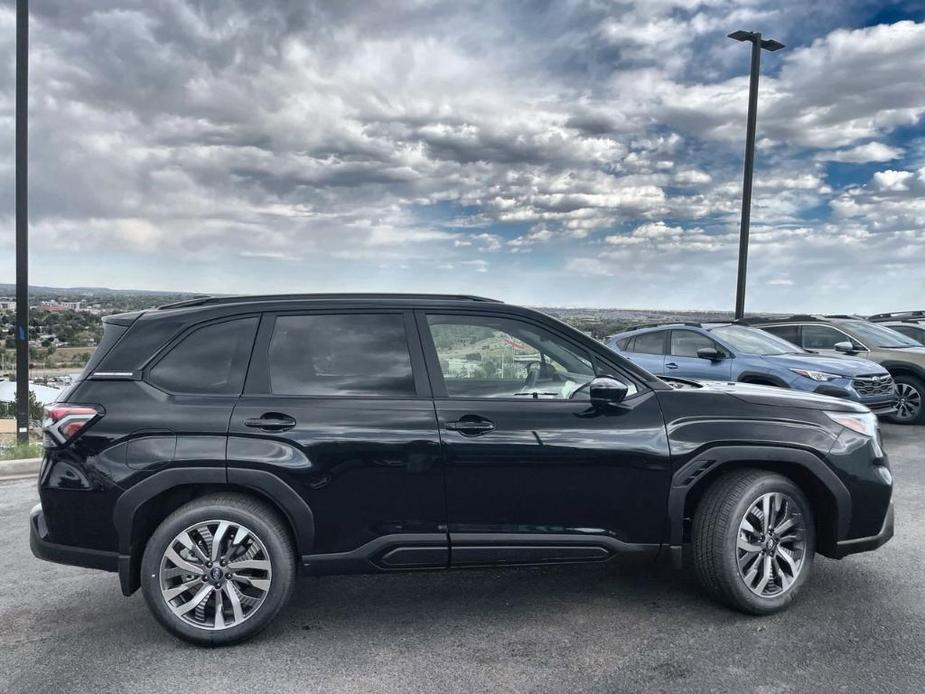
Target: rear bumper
[[42, 548], [866, 544]]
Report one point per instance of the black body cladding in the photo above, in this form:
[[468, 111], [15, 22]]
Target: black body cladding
[[386, 471]]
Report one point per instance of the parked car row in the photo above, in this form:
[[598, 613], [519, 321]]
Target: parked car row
[[869, 361]]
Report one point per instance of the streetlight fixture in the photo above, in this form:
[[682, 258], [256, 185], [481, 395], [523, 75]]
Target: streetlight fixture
[[22, 221], [757, 44]]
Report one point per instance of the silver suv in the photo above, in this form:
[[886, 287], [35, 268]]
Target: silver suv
[[902, 356]]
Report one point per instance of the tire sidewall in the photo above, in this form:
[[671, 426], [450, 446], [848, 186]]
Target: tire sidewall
[[278, 549], [742, 595]]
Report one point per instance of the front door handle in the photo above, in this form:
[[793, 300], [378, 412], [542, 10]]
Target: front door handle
[[671, 365], [471, 425], [271, 421]]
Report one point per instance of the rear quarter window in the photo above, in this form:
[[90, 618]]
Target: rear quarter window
[[111, 334], [623, 345], [210, 360]]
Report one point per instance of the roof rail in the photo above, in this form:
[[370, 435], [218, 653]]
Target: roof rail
[[899, 315], [757, 320], [241, 298], [667, 324]]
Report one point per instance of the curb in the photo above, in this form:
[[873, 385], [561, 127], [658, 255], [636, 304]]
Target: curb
[[18, 469]]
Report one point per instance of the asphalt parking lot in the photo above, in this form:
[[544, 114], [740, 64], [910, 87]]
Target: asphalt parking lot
[[859, 626]]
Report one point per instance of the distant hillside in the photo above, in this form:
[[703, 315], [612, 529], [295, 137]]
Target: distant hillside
[[87, 293], [598, 322]]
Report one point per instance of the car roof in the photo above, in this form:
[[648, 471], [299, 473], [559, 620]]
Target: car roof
[[333, 297], [651, 327], [158, 326], [800, 318], [914, 317], [281, 302]]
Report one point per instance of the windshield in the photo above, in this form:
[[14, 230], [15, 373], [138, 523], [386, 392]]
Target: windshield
[[874, 335], [754, 341]]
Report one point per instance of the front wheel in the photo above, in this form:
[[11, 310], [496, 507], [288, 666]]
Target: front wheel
[[217, 570], [910, 401], [754, 541]]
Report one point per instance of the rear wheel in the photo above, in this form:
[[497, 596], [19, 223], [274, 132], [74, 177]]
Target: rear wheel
[[218, 570], [753, 541], [910, 405]]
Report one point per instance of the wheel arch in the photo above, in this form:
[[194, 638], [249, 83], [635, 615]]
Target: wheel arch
[[142, 508], [828, 496], [899, 368], [761, 379]]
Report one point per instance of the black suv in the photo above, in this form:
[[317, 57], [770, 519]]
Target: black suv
[[214, 449]]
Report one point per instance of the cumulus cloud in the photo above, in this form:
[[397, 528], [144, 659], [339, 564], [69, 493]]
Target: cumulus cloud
[[409, 145], [862, 154]]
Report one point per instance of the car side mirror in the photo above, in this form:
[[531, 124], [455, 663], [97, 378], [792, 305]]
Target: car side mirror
[[605, 390], [710, 353], [845, 347]]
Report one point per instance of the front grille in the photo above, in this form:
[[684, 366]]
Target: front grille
[[869, 386]]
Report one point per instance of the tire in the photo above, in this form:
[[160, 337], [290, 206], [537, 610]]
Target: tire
[[724, 568], [255, 547], [911, 400]]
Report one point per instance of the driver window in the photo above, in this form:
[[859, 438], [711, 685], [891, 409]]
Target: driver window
[[486, 357], [685, 343]]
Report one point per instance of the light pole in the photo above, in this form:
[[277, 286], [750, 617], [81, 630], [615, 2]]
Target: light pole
[[22, 221], [757, 44]]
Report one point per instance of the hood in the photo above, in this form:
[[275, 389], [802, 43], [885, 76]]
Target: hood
[[916, 354], [781, 397], [841, 366]]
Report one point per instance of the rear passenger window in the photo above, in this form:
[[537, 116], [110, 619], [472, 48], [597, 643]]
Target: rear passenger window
[[650, 343], [790, 333], [822, 337], [211, 360], [340, 354]]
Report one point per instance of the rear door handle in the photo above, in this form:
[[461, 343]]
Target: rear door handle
[[271, 421], [471, 425], [671, 365]]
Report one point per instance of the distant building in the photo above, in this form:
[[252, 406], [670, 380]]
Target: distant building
[[57, 306], [7, 304]]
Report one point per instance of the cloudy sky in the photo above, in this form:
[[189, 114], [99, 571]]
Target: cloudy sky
[[583, 153]]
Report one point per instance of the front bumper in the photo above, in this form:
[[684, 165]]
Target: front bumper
[[866, 544], [882, 409], [879, 405], [42, 548]]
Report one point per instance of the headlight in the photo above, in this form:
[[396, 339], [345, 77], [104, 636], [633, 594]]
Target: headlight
[[864, 423], [816, 375]]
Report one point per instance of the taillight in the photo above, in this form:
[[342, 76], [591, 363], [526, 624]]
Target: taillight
[[63, 422]]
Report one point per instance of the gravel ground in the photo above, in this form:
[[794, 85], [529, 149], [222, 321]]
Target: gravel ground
[[858, 627]]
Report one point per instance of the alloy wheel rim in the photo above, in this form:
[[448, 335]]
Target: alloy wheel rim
[[910, 402], [215, 574], [771, 545]]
